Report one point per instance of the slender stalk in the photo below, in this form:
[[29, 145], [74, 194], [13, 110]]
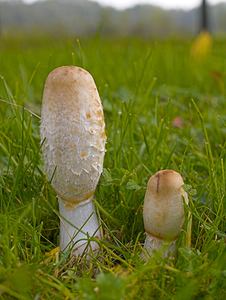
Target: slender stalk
[[77, 225], [153, 244]]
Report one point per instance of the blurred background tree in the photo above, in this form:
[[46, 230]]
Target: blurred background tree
[[83, 17], [204, 16]]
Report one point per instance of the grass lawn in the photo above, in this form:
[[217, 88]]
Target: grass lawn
[[163, 109]]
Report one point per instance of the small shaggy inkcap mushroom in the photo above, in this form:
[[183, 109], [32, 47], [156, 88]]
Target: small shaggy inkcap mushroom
[[163, 211], [73, 135]]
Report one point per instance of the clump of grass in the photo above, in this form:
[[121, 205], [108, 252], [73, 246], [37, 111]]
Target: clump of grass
[[144, 85]]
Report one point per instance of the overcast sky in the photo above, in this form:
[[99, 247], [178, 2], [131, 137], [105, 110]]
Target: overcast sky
[[165, 3]]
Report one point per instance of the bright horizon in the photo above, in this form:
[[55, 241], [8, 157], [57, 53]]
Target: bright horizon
[[121, 4]]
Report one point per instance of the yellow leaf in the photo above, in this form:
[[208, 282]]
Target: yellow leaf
[[201, 46], [53, 252]]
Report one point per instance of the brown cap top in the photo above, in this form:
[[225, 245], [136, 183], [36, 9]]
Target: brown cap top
[[164, 181], [67, 75]]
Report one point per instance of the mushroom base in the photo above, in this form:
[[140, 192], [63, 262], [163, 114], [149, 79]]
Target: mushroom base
[[153, 244], [78, 225]]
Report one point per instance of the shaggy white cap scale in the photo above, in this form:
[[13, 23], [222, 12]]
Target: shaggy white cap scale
[[74, 132]]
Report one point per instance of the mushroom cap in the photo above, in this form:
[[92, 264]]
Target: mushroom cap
[[73, 133], [163, 210]]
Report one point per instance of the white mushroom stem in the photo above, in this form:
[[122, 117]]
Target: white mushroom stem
[[73, 135], [163, 212], [78, 225], [153, 244]]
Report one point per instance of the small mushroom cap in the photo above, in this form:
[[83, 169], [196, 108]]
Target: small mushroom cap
[[163, 205], [73, 131]]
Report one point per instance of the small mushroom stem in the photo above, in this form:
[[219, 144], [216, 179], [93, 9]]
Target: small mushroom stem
[[153, 244], [77, 225], [163, 212]]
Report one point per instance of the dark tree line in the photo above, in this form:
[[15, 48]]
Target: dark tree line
[[137, 19]]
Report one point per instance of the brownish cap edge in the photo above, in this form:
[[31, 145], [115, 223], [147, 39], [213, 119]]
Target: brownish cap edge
[[165, 178], [67, 75], [68, 69], [63, 80]]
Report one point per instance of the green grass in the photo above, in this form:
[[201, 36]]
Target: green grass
[[143, 85]]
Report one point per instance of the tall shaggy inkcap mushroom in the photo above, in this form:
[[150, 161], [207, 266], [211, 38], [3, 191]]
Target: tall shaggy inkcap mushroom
[[73, 131], [163, 211]]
